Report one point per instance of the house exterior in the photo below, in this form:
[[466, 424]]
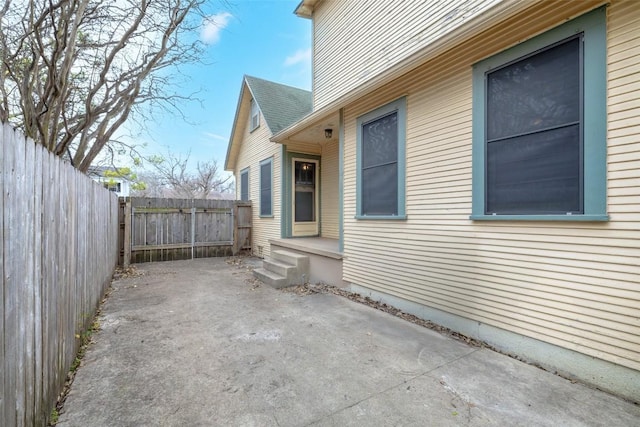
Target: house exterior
[[259, 165], [111, 179], [488, 170]]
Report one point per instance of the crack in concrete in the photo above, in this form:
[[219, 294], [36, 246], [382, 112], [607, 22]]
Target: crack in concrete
[[381, 392]]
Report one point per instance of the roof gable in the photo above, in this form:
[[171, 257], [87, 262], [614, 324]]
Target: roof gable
[[280, 105]]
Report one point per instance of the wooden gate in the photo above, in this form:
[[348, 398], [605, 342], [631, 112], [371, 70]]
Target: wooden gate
[[155, 229]]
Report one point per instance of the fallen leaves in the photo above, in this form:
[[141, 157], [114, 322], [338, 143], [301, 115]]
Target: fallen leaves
[[322, 288], [127, 272]]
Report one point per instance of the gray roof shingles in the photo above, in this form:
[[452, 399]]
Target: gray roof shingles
[[280, 105]]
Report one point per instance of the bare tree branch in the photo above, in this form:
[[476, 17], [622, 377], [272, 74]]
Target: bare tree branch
[[170, 176], [74, 71]]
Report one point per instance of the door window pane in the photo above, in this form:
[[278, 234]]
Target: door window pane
[[305, 191]]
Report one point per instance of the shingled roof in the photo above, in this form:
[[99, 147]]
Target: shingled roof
[[281, 105]]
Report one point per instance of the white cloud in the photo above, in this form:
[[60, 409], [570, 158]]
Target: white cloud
[[215, 136], [212, 25], [301, 56]]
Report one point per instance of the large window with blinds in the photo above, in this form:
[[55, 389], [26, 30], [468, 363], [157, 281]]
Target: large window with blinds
[[380, 162], [534, 133], [540, 127]]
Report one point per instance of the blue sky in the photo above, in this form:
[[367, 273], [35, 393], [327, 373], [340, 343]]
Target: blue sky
[[261, 38]]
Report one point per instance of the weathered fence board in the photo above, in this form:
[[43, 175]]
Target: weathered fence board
[[242, 229], [3, 364], [171, 229], [59, 250]]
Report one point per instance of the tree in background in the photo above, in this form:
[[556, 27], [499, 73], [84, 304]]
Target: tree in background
[[125, 173], [169, 176], [73, 71]]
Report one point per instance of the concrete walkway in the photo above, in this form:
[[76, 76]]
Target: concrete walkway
[[200, 343]]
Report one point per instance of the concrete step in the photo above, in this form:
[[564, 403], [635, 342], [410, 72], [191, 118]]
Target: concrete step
[[270, 278], [283, 269], [301, 262]]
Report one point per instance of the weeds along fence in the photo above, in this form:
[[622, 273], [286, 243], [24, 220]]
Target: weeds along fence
[[59, 250]]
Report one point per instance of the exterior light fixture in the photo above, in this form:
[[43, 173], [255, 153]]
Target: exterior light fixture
[[328, 133]]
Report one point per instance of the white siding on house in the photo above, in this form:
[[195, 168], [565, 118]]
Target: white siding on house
[[329, 191], [573, 284], [256, 147], [394, 30]]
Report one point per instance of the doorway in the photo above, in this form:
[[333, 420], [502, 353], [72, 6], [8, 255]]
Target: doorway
[[305, 173]]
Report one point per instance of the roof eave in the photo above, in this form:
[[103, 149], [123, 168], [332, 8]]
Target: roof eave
[[227, 160], [305, 8], [473, 27]]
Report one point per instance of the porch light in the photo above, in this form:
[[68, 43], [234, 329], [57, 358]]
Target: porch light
[[328, 133]]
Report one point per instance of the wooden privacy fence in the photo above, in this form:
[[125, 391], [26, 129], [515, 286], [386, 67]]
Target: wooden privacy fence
[[155, 229], [59, 250]]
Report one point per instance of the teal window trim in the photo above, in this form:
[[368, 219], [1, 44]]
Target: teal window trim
[[283, 192], [269, 162], [593, 27], [381, 217], [245, 171], [574, 217], [399, 106]]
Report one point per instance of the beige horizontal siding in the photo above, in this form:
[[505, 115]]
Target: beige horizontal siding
[[329, 191], [391, 31], [573, 284], [304, 147], [256, 147]]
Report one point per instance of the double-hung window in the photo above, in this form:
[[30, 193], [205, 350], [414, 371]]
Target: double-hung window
[[255, 116], [539, 131], [244, 185], [266, 171], [381, 162]]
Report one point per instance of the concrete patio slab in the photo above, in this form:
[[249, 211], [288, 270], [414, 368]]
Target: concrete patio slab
[[201, 343]]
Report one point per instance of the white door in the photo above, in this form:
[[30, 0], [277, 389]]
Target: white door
[[305, 197]]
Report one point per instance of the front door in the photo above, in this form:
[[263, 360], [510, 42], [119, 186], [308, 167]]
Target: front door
[[305, 197]]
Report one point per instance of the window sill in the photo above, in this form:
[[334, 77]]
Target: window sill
[[265, 216], [581, 218], [382, 217]]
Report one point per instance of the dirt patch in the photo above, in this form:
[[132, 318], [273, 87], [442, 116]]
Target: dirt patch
[[127, 272]]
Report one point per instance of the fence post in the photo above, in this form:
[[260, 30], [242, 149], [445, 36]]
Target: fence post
[[127, 234], [234, 216], [193, 232]]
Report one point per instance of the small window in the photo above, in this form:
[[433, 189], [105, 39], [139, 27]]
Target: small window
[[255, 115], [380, 162], [244, 185], [539, 133], [112, 186], [266, 168]]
